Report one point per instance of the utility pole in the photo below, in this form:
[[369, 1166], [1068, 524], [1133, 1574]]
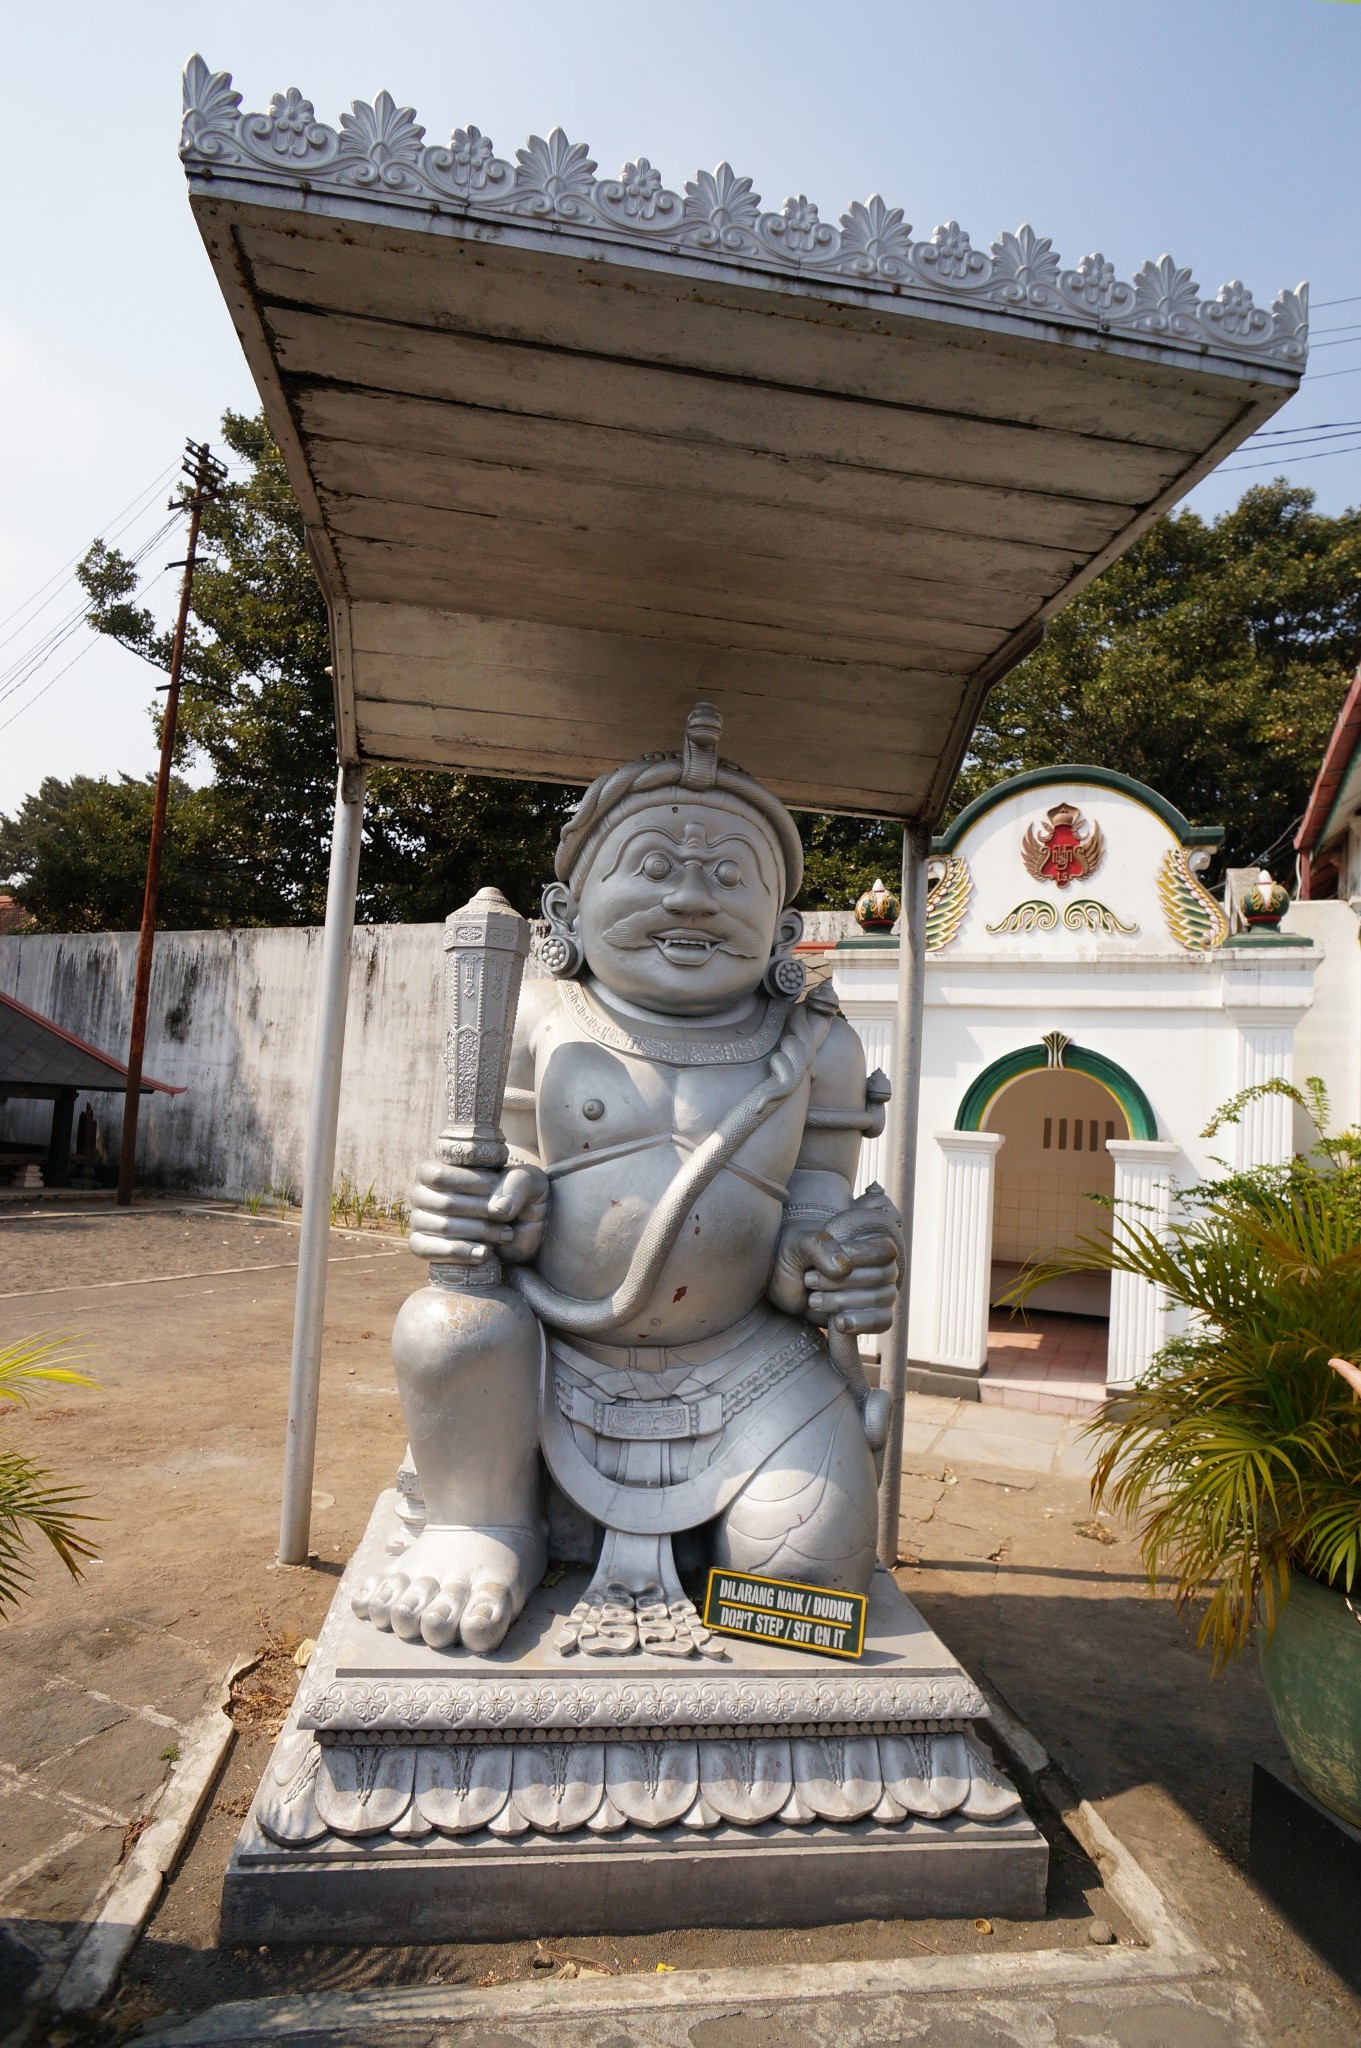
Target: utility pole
[[206, 476]]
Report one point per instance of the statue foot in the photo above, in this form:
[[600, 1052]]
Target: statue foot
[[612, 1621], [456, 1585]]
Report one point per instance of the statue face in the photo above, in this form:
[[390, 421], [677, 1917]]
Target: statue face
[[679, 908]]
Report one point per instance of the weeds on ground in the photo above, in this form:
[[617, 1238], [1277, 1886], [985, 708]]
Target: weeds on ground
[[254, 1202], [262, 1696], [283, 1196], [353, 1205]]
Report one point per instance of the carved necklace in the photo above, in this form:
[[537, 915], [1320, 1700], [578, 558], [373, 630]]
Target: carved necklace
[[675, 1052]]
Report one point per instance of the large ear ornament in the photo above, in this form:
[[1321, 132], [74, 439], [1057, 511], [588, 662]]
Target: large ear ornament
[[785, 975], [561, 953]]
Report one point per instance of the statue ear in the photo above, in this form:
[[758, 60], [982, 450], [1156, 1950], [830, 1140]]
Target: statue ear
[[784, 975], [561, 952]]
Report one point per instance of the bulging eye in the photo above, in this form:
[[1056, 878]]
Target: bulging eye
[[656, 866], [728, 873]]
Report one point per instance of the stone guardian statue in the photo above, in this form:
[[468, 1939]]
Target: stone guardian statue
[[646, 1297]]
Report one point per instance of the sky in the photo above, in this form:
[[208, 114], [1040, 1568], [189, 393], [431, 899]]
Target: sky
[[1223, 131]]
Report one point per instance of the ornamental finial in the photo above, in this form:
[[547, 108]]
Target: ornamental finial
[[699, 761]]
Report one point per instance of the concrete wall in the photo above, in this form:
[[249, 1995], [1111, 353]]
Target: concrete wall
[[232, 1019]]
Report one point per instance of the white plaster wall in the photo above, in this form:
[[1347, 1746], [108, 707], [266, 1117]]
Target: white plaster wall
[[1162, 1019], [232, 1019]]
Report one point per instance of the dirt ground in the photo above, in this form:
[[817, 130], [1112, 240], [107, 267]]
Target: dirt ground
[[185, 1316]]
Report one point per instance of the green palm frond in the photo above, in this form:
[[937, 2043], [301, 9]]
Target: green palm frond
[[33, 1504], [1238, 1454], [33, 1359]]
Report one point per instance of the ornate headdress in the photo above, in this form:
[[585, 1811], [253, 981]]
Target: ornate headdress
[[696, 767]]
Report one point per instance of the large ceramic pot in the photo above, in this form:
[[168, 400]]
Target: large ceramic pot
[[1312, 1669]]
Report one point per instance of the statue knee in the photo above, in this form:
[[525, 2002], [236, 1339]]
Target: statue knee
[[811, 1511]]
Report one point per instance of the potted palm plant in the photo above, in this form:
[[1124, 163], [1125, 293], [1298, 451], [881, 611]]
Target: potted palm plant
[[1238, 1455]]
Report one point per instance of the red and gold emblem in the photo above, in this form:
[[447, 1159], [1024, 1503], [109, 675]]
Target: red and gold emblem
[[1064, 847]]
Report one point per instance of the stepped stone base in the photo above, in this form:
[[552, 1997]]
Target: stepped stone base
[[425, 1795]]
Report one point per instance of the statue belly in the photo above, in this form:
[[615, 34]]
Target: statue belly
[[715, 1275]]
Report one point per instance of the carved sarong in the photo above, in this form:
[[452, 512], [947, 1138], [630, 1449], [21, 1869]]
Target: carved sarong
[[651, 1441]]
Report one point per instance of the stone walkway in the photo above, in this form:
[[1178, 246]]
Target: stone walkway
[[975, 1436], [187, 1317]]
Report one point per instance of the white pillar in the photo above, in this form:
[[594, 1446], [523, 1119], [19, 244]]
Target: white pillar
[[964, 1271], [1266, 1052], [1143, 1195], [319, 1165]]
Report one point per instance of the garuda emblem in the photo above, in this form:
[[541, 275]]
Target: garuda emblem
[[1064, 847]]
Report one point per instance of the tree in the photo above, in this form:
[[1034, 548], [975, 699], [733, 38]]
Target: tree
[[1209, 662], [77, 851], [257, 706]]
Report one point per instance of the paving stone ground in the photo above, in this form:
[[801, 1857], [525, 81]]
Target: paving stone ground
[[186, 1314]]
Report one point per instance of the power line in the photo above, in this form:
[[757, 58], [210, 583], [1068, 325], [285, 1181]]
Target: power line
[[27, 665], [1287, 456], [112, 528], [1317, 376], [1322, 305], [88, 648], [1304, 437], [1270, 433]]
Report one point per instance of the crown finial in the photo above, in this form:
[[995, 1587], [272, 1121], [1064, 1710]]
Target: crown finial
[[699, 760]]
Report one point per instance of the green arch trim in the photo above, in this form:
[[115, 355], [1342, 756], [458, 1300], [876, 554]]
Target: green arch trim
[[1105, 778], [1032, 1059]]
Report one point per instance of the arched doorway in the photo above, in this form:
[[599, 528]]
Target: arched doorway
[[1056, 1106], [1056, 1125]]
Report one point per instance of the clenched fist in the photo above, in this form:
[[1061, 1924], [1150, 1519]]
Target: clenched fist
[[467, 1214]]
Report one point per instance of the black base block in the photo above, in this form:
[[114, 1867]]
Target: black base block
[[1308, 1862]]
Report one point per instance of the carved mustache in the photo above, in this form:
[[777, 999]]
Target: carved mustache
[[638, 929]]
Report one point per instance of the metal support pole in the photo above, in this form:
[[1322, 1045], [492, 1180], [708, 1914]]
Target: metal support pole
[[907, 1055], [295, 1518]]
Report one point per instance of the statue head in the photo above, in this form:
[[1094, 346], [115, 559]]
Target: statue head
[[675, 876]]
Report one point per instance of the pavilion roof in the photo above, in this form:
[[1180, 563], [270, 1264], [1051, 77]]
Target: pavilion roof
[[573, 451], [39, 1057]]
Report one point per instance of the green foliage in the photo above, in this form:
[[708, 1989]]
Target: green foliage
[[1209, 661], [32, 1502], [77, 852], [256, 707], [1239, 1453], [843, 856]]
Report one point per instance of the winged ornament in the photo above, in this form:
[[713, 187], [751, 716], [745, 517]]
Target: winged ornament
[[1064, 847]]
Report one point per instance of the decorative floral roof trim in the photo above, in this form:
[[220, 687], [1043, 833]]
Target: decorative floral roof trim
[[380, 152]]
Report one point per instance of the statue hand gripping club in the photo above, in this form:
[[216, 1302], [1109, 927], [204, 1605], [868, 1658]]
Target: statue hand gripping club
[[689, 1274]]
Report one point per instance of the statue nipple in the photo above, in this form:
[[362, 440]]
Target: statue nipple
[[699, 760]]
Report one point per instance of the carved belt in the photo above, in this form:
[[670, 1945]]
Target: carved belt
[[645, 1421], [641, 1421], [750, 1438]]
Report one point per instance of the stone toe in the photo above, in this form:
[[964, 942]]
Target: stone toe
[[384, 1597], [407, 1612], [440, 1621], [486, 1618]]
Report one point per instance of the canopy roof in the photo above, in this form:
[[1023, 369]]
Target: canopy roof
[[573, 451], [39, 1058]]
